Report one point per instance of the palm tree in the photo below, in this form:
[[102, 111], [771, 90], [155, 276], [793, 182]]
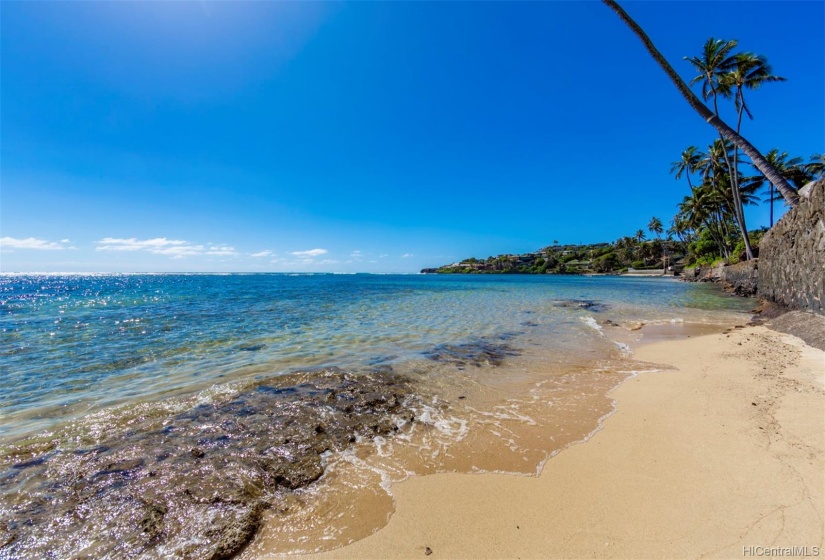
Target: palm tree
[[718, 69], [714, 120], [715, 61], [712, 201], [624, 247], [702, 210], [680, 228], [816, 167], [655, 226], [640, 236], [688, 164], [749, 72], [791, 168]]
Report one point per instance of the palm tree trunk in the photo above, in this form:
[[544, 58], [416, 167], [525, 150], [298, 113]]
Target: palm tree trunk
[[737, 194], [738, 210], [749, 149], [715, 236]]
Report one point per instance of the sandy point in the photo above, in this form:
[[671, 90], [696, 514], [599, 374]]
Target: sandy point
[[722, 457]]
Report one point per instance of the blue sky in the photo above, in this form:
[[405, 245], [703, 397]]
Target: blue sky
[[379, 137]]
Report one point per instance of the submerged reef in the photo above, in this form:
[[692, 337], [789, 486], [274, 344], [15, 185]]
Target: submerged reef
[[190, 483]]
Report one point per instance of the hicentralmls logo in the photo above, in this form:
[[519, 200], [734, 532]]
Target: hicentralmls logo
[[789, 551]]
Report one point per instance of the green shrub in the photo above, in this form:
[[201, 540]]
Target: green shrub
[[606, 263]]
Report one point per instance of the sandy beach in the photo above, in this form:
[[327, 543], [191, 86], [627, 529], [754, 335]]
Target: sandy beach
[[720, 456]]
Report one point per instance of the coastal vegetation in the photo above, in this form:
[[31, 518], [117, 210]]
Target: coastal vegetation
[[709, 224]]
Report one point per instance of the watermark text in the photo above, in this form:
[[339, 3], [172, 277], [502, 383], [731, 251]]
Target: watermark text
[[787, 551]]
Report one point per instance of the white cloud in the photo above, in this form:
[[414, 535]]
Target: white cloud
[[175, 248], [65, 241], [178, 251], [131, 244], [221, 250], [310, 253], [31, 243], [407, 255], [356, 254], [262, 254]]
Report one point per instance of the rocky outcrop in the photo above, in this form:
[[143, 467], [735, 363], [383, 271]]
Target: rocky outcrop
[[741, 278], [792, 254], [807, 326], [189, 482]]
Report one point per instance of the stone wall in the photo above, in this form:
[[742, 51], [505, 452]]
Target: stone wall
[[792, 254]]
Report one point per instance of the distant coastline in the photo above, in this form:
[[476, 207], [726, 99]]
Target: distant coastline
[[643, 258]]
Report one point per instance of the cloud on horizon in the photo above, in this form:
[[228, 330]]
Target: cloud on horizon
[[33, 243], [175, 248]]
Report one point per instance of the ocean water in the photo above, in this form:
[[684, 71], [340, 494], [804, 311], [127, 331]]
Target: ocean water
[[176, 414]]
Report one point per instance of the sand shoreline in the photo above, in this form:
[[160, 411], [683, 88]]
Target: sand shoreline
[[721, 456]]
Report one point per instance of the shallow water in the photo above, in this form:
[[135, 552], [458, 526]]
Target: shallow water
[[147, 415]]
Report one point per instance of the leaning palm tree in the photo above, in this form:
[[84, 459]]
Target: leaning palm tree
[[687, 164], [750, 150]]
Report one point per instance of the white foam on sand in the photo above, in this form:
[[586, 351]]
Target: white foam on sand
[[591, 322]]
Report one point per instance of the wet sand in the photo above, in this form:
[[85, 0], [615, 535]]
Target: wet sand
[[723, 453]]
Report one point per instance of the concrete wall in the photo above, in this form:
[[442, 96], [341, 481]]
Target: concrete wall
[[792, 254]]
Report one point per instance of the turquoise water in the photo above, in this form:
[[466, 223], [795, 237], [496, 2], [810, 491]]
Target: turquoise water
[[77, 343], [155, 416]]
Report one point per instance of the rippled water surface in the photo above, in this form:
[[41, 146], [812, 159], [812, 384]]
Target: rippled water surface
[[157, 415], [75, 342]]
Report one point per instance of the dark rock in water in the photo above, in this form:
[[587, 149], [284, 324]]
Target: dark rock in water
[[33, 463], [590, 305], [251, 347], [188, 484], [234, 535], [122, 467], [292, 474], [476, 353], [152, 521]]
